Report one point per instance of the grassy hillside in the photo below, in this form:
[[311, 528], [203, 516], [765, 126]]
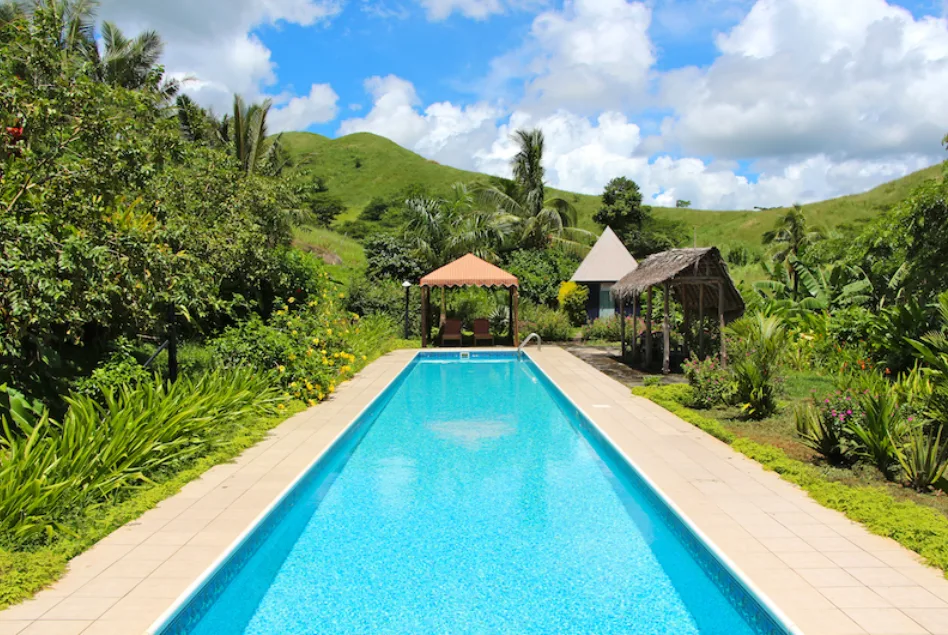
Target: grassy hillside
[[361, 166]]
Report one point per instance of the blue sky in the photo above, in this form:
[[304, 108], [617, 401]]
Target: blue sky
[[728, 103]]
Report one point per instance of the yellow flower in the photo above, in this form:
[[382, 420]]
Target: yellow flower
[[329, 332], [364, 358], [292, 384], [281, 368], [320, 396], [315, 341], [294, 332], [332, 388], [309, 352], [291, 357], [310, 402], [281, 407], [291, 300], [342, 295]]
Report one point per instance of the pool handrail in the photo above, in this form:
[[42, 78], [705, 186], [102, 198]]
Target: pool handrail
[[527, 341]]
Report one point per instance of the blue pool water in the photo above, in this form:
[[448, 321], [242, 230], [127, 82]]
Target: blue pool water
[[474, 502]]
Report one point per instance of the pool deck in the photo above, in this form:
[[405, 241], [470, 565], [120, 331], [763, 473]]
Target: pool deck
[[827, 574]]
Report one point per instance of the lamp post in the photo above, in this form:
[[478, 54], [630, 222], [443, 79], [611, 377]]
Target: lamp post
[[407, 286]]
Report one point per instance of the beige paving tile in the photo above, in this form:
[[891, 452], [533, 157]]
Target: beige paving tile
[[886, 621], [828, 622], [854, 597], [935, 620], [911, 597], [30, 609], [13, 628], [80, 608], [879, 576], [106, 587], [158, 587], [56, 627], [831, 577]]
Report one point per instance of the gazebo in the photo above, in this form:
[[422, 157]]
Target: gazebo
[[469, 271], [699, 280]]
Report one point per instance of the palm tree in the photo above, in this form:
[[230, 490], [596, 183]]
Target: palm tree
[[793, 236], [442, 229], [200, 125], [540, 221], [132, 63], [247, 135]]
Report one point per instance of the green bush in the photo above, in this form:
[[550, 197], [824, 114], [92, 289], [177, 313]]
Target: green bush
[[366, 297], [710, 383], [923, 457], [120, 369], [572, 301], [309, 347], [549, 324], [389, 257], [540, 272], [758, 343], [607, 329], [52, 470], [824, 425], [879, 430]]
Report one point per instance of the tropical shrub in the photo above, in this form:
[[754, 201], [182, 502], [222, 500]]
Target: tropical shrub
[[51, 470], [825, 435], [923, 457], [572, 301], [758, 344], [549, 324], [366, 297], [879, 430], [307, 347], [120, 369], [710, 382], [608, 329]]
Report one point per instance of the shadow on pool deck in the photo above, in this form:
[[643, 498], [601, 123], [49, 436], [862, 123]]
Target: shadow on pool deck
[[606, 360]]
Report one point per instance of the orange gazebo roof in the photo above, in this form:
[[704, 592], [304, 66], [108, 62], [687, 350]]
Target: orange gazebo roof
[[469, 271]]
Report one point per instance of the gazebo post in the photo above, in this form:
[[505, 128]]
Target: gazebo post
[[425, 291], [515, 315], [636, 301], [686, 339], [648, 331], [721, 323], [701, 318], [666, 333], [622, 325]]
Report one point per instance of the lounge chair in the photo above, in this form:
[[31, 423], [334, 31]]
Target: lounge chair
[[451, 332], [482, 331]]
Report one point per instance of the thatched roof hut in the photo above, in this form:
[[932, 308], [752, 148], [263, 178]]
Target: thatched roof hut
[[697, 278], [686, 271]]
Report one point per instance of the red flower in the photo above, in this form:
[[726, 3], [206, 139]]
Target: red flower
[[15, 132]]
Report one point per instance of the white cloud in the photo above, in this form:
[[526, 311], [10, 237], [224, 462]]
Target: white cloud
[[589, 56], [442, 131], [211, 41], [852, 79], [477, 9], [299, 113]]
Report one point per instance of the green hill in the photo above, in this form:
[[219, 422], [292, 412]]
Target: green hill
[[362, 166]]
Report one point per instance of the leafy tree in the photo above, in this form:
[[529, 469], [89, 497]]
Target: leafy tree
[[322, 209], [375, 209], [391, 258], [540, 272], [623, 211], [538, 221], [792, 236], [680, 204], [132, 63]]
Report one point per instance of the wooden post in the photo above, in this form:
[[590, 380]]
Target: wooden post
[[701, 319], [648, 330], [425, 293], [515, 315], [721, 323], [666, 333], [444, 310], [686, 335], [622, 325], [636, 300]]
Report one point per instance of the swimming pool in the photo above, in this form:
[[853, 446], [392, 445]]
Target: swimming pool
[[471, 497]]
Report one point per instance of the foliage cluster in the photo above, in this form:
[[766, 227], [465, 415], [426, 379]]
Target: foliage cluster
[[549, 324], [607, 329], [710, 382], [572, 301]]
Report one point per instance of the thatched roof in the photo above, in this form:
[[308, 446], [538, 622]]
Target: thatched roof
[[608, 260], [686, 270]]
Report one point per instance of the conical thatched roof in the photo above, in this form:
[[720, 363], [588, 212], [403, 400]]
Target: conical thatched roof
[[607, 261], [686, 270]]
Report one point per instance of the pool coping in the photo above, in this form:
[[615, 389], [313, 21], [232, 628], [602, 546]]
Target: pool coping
[[180, 604], [729, 565]]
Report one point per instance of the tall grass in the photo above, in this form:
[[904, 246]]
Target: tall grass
[[50, 470]]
